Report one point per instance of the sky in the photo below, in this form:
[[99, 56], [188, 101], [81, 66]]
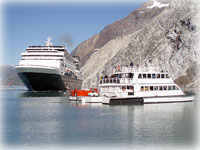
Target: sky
[[26, 24]]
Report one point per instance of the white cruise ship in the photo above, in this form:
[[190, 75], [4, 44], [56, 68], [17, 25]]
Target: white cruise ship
[[140, 84], [47, 68]]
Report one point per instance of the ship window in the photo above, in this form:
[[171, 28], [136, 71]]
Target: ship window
[[154, 76], [167, 76], [114, 76], [162, 75], [174, 87], [160, 88], [117, 80], [131, 75], [149, 76], [158, 76], [144, 75], [146, 88], [169, 88], [165, 88], [142, 88], [139, 76], [155, 88], [151, 88]]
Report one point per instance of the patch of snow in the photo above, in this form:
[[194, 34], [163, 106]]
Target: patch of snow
[[157, 4]]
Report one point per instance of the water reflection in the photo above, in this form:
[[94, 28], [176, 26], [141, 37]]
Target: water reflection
[[44, 94], [55, 121]]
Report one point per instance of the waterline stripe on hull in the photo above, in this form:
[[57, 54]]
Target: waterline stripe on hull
[[143, 100]]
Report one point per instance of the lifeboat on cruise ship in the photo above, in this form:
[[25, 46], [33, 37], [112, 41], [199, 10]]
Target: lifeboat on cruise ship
[[86, 92]]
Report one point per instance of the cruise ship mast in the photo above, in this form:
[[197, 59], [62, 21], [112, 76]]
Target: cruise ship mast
[[48, 42]]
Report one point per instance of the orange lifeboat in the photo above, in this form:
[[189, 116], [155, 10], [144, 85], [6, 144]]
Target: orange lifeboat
[[87, 92]]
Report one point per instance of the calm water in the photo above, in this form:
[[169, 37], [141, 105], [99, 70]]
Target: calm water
[[50, 120]]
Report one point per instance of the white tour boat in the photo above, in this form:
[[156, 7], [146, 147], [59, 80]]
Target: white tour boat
[[140, 85]]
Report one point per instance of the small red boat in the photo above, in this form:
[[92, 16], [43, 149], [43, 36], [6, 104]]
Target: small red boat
[[86, 92]]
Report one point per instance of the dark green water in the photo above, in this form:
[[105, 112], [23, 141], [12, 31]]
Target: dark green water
[[49, 120]]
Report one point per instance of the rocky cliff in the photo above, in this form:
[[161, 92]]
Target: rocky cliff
[[130, 24], [170, 39]]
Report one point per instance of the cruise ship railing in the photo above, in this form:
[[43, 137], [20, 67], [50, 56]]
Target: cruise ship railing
[[116, 81]]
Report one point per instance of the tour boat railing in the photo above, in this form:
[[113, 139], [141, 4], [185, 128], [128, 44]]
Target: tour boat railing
[[138, 69]]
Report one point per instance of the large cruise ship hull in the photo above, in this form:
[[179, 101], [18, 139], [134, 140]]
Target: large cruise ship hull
[[46, 79]]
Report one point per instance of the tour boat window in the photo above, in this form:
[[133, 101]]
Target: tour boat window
[[149, 76], [139, 76], [104, 81], [177, 88], [169, 88], [117, 80], [165, 88], [110, 80], [167, 76], [155, 88], [162, 75], [146, 88], [131, 75], [158, 76], [114, 76], [160, 88], [154, 76], [142, 88], [144, 75], [130, 87], [174, 87], [151, 88]]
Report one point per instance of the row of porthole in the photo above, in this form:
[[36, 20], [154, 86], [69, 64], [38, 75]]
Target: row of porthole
[[158, 88]]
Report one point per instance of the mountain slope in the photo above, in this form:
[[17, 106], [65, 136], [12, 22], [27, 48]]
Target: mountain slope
[[170, 40], [9, 76], [130, 24]]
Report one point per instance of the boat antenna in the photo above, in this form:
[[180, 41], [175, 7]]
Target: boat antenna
[[48, 42]]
